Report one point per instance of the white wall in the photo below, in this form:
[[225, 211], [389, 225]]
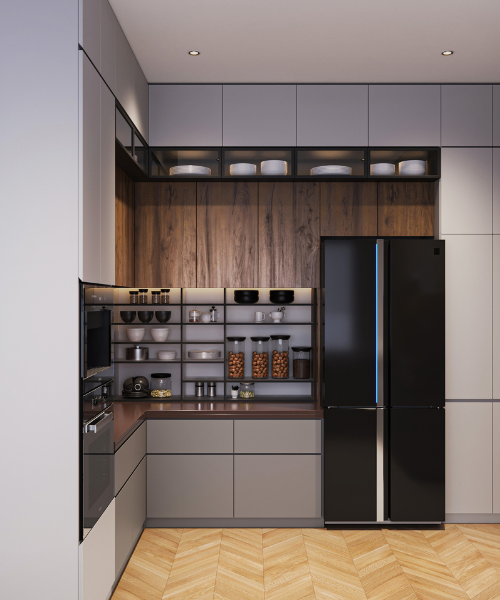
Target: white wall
[[39, 300]]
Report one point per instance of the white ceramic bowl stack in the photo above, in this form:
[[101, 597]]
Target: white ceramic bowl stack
[[242, 169], [412, 167], [190, 170], [331, 170], [382, 169], [274, 167], [159, 334], [136, 334]]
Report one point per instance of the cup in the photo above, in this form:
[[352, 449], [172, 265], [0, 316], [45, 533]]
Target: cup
[[259, 317], [276, 316]]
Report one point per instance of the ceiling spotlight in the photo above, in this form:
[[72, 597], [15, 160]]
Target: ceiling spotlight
[[447, 53], [194, 53]]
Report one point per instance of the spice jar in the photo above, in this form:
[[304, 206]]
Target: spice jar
[[247, 389], [164, 297], [279, 354], [301, 362], [134, 297], [194, 316], [143, 296], [260, 357], [155, 297], [160, 385], [236, 357]]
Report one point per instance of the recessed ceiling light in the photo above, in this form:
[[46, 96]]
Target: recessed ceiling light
[[194, 53], [447, 53]]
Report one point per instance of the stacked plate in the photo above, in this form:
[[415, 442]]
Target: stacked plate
[[412, 167], [274, 167], [204, 354], [382, 169], [331, 170], [190, 170], [167, 354], [242, 169]]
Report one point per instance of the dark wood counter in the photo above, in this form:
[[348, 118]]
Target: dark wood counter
[[129, 415]]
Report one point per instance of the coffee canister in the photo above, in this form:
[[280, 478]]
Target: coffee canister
[[137, 353]]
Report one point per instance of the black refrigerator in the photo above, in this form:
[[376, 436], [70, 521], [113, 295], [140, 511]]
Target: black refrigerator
[[383, 391]]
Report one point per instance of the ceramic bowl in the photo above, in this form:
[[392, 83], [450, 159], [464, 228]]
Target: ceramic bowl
[[145, 316], [127, 316], [159, 334], [167, 355], [163, 316], [136, 334]]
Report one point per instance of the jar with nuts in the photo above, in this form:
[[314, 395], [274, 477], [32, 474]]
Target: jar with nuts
[[260, 357], [279, 354], [236, 357]]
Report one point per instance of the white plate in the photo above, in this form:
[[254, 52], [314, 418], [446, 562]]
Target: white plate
[[412, 167], [242, 169], [274, 167], [382, 169], [190, 170], [331, 170]]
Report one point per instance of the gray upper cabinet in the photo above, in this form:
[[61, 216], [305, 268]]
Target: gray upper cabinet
[[332, 115], [125, 73], [496, 190], [496, 115], [109, 26], [185, 115], [141, 90], [466, 118], [404, 115], [107, 185], [259, 115], [90, 29]]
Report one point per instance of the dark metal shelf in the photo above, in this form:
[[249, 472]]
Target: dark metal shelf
[[270, 323], [135, 307], [271, 380], [149, 361], [155, 323]]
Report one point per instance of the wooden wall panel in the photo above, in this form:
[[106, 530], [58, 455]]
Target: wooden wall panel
[[165, 234], [348, 208], [406, 208], [124, 229], [289, 232], [227, 234]]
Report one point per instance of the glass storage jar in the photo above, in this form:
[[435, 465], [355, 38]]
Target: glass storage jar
[[155, 297], [194, 316], [301, 362], [247, 389], [134, 297], [160, 385], [143, 296], [164, 297], [236, 357], [279, 356], [260, 357]]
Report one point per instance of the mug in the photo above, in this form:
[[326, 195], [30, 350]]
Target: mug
[[259, 317]]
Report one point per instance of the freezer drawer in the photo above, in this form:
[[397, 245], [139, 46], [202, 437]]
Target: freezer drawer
[[417, 464]]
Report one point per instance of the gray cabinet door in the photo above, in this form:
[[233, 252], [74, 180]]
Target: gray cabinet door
[[107, 186], [173, 436], [129, 456], [130, 507], [496, 115], [496, 318], [404, 115], [109, 25], [141, 88], [125, 86], [269, 436], [468, 457], [189, 486], [259, 115], [277, 486], [496, 190], [496, 457], [185, 115], [332, 115], [90, 29], [90, 172], [466, 118], [466, 191]]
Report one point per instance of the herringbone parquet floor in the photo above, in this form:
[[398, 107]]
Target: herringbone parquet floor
[[461, 562]]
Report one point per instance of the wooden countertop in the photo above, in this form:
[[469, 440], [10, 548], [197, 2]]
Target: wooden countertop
[[129, 415]]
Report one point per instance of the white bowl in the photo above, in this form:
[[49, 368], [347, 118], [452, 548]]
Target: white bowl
[[136, 334], [331, 170], [242, 169], [159, 334], [274, 167], [412, 167], [382, 169], [166, 355], [190, 170]]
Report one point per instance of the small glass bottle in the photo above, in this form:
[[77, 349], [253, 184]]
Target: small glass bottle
[[164, 297], [155, 297], [236, 357], [260, 357], [143, 296], [160, 385], [134, 297], [247, 389], [301, 362], [279, 354]]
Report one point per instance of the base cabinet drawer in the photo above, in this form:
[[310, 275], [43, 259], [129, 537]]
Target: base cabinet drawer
[[189, 486], [130, 515], [268, 486], [129, 456], [277, 436], [174, 436]]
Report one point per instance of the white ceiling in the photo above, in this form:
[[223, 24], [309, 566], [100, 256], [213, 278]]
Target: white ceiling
[[261, 41]]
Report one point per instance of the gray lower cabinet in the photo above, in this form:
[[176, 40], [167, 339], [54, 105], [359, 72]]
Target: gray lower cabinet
[[128, 456], [496, 457], [192, 436], [269, 436], [273, 486], [130, 514], [189, 486]]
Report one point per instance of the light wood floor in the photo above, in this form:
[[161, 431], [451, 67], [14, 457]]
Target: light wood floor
[[461, 562]]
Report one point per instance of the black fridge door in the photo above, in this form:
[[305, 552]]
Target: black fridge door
[[349, 322], [350, 475], [417, 464], [416, 323]]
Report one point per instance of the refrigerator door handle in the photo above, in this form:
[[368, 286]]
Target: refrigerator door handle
[[380, 276], [380, 466]]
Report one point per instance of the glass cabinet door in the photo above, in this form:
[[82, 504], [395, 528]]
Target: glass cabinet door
[[404, 162], [258, 162]]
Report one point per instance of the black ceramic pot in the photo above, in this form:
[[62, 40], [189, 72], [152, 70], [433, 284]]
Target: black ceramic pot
[[246, 296], [145, 316], [281, 296], [163, 316], [127, 316]]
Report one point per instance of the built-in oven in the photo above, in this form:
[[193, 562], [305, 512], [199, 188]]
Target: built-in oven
[[96, 342], [98, 487]]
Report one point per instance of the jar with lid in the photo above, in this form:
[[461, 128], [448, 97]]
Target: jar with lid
[[279, 354], [143, 296], [301, 362], [164, 297], [236, 357], [160, 385], [260, 357], [247, 389], [134, 297], [194, 316], [155, 297]]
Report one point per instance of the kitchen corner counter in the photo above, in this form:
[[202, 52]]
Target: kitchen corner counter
[[129, 415]]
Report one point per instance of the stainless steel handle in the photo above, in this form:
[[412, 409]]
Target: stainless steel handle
[[380, 465], [380, 324], [97, 424]]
